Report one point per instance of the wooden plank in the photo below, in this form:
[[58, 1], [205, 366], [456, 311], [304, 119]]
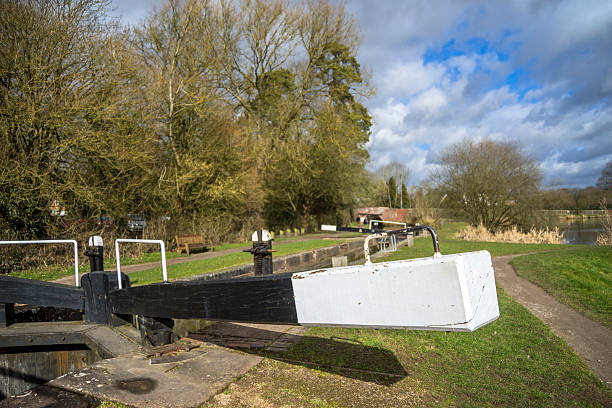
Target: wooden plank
[[38, 293], [96, 286], [266, 299], [8, 339]]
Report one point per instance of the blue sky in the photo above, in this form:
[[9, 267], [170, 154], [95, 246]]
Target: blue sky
[[534, 72]]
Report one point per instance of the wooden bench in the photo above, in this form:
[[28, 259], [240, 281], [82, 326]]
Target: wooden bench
[[185, 243]]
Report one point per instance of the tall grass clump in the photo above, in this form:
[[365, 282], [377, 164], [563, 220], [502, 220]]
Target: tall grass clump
[[533, 236], [605, 237]]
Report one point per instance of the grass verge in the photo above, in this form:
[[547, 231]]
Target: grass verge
[[208, 265], [580, 278], [54, 272], [514, 361]]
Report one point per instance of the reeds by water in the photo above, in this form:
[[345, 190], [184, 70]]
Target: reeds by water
[[534, 236], [605, 238]]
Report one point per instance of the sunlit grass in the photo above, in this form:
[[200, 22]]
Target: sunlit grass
[[208, 265], [580, 278], [514, 361]]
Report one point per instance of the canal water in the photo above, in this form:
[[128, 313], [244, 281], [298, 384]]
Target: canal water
[[579, 230]]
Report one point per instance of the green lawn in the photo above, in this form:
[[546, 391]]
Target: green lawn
[[514, 361], [54, 272], [208, 265], [580, 278], [423, 246]]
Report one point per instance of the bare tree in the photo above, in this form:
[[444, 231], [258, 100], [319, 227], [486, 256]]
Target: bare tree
[[48, 75], [197, 162], [208, 108], [400, 174], [494, 183], [605, 181]]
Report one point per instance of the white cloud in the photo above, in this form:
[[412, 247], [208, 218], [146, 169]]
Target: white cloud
[[444, 114], [429, 102], [409, 78], [391, 115], [564, 118], [463, 63]]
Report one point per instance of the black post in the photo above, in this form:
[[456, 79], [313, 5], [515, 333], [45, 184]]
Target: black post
[[95, 252], [7, 314], [262, 252], [97, 286]]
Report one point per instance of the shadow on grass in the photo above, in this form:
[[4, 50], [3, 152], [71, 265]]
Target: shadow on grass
[[341, 356]]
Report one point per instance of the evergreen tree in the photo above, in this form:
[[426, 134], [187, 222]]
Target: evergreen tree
[[392, 192], [404, 197]]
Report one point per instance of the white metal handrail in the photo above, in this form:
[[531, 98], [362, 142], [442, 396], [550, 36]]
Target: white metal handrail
[[141, 241], [388, 243], [366, 246], [53, 241]]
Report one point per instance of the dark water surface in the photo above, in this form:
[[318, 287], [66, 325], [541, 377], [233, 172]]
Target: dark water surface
[[579, 230]]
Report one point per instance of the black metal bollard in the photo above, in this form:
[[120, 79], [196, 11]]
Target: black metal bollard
[[262, 252], [95, 252]]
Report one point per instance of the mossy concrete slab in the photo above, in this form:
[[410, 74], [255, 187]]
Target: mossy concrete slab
[[131, 379], [187, 381]]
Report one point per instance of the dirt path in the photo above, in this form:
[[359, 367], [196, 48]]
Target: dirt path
[[69, 280], [590, 340]]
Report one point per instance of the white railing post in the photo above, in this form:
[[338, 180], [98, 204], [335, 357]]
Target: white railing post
[[366, 247], [53, 241], [141, 241]]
